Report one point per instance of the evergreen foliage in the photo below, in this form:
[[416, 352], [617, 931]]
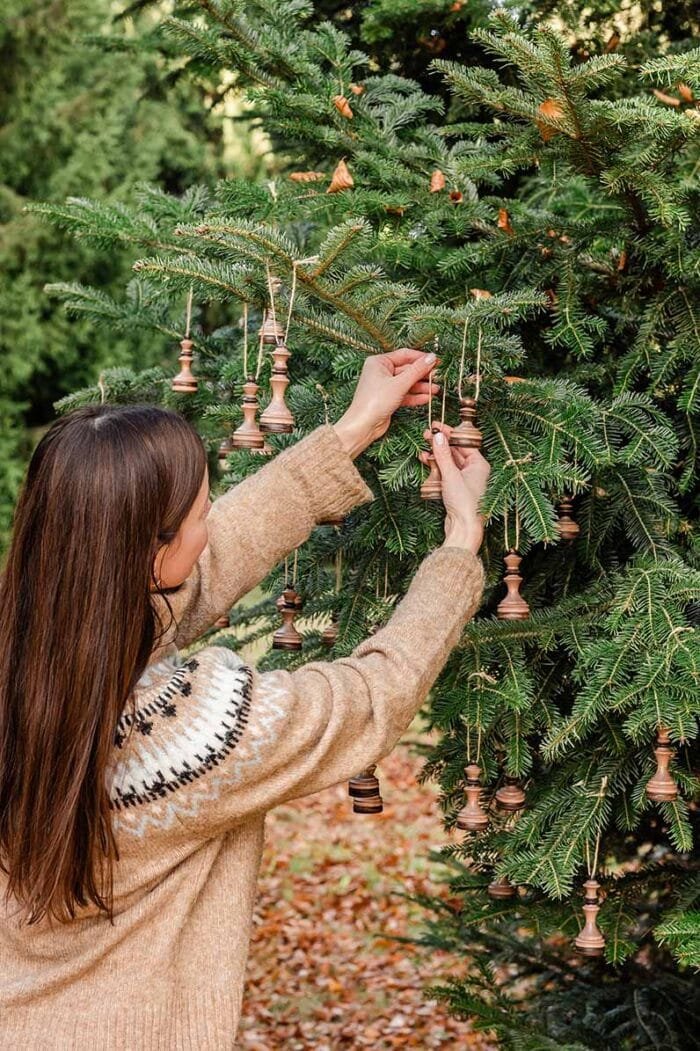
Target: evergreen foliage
[[572, 198]]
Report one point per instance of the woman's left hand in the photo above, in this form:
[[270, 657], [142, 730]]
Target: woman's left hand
[[387, 381]]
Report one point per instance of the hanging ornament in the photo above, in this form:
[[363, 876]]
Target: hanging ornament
[[501, 888], [437, 181], [343, 106], [466, 435], [513, 606], [276, 419], [248, 435], [472, 817], [661, 788], [511, 796], [185, 382], [365, 792], [431, 489], [225, 447], [590, 940], [342, 179], [287, 637], [567, 528]]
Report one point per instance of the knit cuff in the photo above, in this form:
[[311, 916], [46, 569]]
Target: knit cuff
[[328, 474]]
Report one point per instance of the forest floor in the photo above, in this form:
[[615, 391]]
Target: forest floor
[[323, 972]]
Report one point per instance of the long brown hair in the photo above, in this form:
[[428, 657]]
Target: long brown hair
[[106, 486]]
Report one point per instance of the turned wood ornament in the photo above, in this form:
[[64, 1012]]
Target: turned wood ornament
[[225, 447], [249, 435], [567, 528], [513, 606], [365, 793], [287, 637], [330, 634], [511, 796], [277, 419], [472, 817], [466, 435], [271, 331], [431, 489], [661, 788], [501, 887], [590, 940], [185, 382]]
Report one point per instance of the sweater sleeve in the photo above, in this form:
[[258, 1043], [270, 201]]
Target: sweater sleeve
[[246, 741], [257, 523]]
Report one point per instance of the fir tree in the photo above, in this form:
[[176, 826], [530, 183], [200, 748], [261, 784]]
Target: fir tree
[[562, 248]]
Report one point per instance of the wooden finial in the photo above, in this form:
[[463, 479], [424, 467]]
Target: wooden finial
[[271, 331], [287, 637], [185, 382], [431, 489], [249, 435], [472, 817], [567, 528], [661, 788], [364, 789], [277, 419], [466, 435], [511, 796], [513, 606], [590, 941], [501, 887]]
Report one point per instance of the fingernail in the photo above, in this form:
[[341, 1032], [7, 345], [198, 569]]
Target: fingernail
[[440, 438], [430, 357]]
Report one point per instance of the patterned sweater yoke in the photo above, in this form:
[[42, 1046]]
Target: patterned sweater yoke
[[205, 747]]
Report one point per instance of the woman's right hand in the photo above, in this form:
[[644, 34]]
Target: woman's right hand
[[464, 474]]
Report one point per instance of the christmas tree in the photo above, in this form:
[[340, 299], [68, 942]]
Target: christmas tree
[[540, 229]]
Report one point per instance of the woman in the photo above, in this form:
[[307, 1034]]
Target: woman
[[134, 783]]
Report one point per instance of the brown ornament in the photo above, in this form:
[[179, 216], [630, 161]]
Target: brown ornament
[[501, 888], [329, 635], [511, 796], [185, 382], [249, 435], [513, 606], [365, 792], [342, 179], [503, 222], [567, 528], [661, 788], [437, 181], [225, 447], [466, 435], [277, 419], [343, 106], [431, 489], [271, 332], [287, 637], [590, 940], [472, 817]]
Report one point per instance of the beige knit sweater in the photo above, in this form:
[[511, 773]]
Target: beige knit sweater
[[212, 746]]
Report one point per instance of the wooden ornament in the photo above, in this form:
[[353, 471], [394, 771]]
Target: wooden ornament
[[249, 435], [437, 181], [511, 796], [431, 489], [185, 382], [466, 435], [590, 940], [365, 792], [342, 179], [343, 106], [329, 635], [287, 637], [277, 419], [661, 788], [501, 888], [472, 817], [567, 528], [271, 332], [225, 447], [513, 606]]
